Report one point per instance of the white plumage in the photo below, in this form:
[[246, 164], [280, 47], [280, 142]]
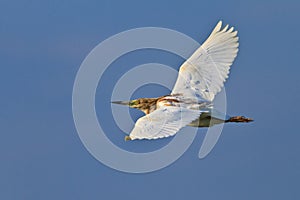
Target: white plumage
[[204, 73], [163, 122], [200, 78]]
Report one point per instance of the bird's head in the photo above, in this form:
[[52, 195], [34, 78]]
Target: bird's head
[[142, 104]]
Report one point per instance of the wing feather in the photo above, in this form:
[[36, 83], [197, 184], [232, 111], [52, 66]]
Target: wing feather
[[204, 73], [163, 122]]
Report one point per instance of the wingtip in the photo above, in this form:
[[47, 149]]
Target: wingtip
[[218, 27], [219, 24], [127, 138], [225, 28]]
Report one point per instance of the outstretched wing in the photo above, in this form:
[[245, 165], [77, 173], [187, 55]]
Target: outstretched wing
[[163, 122], [204, 73]]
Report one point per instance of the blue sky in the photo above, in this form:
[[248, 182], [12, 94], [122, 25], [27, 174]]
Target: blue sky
[[42, 45]]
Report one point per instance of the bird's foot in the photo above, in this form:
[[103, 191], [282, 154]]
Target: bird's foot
[[239, 119]]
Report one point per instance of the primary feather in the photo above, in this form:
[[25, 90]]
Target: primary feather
[[204, 73]]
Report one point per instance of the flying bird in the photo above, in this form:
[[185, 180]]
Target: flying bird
[[190, 103]]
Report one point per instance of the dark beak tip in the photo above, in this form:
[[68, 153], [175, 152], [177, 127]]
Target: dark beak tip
[[120, 102]]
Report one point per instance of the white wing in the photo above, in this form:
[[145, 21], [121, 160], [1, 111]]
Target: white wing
[[163, 122], [204, 73]]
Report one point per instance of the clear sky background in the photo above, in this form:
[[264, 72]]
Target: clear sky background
[[42, 44]]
